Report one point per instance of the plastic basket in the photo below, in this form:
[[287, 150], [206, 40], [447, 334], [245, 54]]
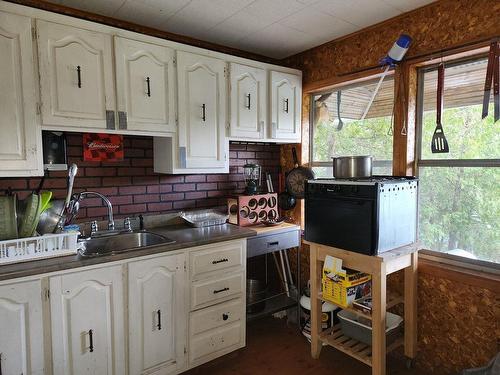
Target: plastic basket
[[31, 248]]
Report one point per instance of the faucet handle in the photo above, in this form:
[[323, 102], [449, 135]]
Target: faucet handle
[[94, 227], [127, 225]]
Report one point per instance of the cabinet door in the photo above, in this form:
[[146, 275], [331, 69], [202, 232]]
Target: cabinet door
[[286, 98], [87, 311], [20, 143], [145, 86], [76, 77], [157, 315], [202, 111], [248, 101], [21, 329]]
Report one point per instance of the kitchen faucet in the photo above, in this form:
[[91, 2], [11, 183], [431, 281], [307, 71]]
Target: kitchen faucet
[[111, 222]]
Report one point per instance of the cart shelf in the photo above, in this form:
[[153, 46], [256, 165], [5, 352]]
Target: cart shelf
[[393, 299], [354, 348]]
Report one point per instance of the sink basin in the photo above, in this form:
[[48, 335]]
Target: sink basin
[[120, 243]]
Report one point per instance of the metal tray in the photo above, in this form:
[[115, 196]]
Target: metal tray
[[204, 218]]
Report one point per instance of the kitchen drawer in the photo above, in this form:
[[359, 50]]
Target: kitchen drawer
[[216, 258], [214, 343], [215, 290], [217, 316], [266, 244]]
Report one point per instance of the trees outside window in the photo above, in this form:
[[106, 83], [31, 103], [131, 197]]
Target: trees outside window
[[459, 199]]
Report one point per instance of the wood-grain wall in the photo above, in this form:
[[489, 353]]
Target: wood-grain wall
[[459, 321]]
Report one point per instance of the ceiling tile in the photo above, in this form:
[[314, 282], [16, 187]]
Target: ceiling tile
[[271, 11], [276, 41], [142, 14], [361, 13], [168, 7], [106, 8], [407, 5], [318, 23]]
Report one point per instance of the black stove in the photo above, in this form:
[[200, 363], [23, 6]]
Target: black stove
[[366, 215]]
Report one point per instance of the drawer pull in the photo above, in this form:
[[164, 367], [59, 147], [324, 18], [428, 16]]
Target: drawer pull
[[159, 320], [221, 290], [224, 317], [91, 339], [79, 76], [220, 261], [271, 244], [148, 83]]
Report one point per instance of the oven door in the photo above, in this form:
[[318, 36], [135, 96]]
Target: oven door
[[343, 222]]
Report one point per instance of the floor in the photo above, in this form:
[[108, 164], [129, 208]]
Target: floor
[[274, 348]]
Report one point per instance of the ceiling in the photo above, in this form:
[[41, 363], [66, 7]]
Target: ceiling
[[273, 28]]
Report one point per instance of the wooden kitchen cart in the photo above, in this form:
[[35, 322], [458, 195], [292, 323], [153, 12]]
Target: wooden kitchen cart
[[379, 267]]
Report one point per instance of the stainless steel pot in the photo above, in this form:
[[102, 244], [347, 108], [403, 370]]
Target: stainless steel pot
[[352, 166]]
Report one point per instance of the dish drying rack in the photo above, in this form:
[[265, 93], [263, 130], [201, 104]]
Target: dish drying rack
[[31, 248]]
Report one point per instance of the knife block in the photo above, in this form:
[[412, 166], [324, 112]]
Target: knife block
[[247, 210]]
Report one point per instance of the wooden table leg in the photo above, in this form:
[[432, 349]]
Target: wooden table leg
[[315, 276], [410, 307], [378, 321]]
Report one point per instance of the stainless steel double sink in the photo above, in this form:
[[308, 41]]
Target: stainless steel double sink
[[112, 243]]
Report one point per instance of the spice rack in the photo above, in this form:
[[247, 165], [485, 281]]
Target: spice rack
[[379, 266]]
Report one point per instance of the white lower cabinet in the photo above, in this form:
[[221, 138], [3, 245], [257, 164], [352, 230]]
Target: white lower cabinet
[[157, 318], [21, 328], [127, 317], [217, 321], [87, 315]]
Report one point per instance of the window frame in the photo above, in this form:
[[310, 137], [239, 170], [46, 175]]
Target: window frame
[[441, 257], [346, 84]]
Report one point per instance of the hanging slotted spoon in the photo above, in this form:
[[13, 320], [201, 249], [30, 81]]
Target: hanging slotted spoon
[[439, 144]]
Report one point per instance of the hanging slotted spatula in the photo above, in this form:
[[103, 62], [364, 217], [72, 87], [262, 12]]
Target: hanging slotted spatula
[[439, 144]]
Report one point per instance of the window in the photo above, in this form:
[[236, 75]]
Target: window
[[337, 128], [459, 190]]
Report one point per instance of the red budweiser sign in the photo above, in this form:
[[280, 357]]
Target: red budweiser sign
[[102, 147]]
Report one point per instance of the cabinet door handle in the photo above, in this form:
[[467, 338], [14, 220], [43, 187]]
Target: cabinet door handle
[[249, 102], [203, 112], [79, 76], [91, 340], [148, 84], [224, 317], [159, 320], [286, 105], [221, 290], [220, 261]]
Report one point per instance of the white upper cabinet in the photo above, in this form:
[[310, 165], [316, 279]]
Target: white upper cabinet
[[20, 143], [145, 79], [286, 97], [202, 94], [87, 315], [248, 87], [157, 318], [76, 77], [21, 329]]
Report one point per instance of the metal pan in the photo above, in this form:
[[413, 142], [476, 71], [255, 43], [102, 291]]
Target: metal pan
[[297, 177]]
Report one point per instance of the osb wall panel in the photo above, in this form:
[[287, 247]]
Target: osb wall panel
[[439, 26], [458, 324]]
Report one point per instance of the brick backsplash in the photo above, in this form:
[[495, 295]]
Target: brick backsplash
[[133, 188]]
